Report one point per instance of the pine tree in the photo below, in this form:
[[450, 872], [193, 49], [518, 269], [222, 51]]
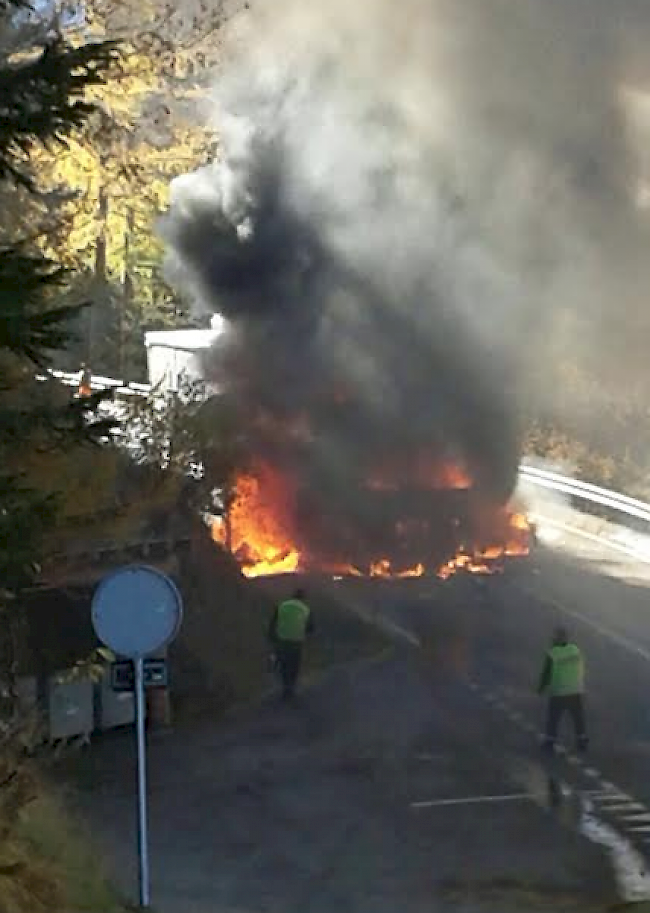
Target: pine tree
[[43, 101]]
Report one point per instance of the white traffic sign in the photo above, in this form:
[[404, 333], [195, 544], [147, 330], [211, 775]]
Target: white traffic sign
[[136, 611]]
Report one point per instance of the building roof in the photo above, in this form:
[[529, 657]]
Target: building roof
[[183, 340]]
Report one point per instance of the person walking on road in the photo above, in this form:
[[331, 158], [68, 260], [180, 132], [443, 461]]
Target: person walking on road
[[290, 625], [563, 678]]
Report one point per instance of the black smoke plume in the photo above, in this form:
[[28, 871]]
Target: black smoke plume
[[416, 210]]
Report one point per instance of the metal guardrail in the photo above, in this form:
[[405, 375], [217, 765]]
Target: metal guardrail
[[141, 547], [84, 564], [586, 491], [98, 383]]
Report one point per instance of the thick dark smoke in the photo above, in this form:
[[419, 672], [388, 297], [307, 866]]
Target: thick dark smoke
[[419, 209]]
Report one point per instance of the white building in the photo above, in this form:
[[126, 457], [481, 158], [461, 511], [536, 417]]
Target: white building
[[176, 356]]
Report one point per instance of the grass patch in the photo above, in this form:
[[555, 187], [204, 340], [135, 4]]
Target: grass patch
[[56, 866]]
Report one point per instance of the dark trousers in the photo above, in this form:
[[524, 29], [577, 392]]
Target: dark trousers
[[558, 706], [289, 657]]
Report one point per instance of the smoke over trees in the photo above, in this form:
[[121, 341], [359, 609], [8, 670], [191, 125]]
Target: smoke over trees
[[420, 215]]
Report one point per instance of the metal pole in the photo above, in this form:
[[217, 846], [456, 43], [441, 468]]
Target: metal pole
[[143, 842]]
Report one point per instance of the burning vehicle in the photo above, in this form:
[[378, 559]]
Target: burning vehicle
[[433, 526]]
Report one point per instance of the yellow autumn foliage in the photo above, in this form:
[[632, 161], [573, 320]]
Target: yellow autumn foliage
[[114, 180]]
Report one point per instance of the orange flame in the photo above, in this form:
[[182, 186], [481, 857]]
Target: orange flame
[[384, 568], [259, 530], [258, 527]]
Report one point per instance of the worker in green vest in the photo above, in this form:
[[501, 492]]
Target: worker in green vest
[[563, 678], [290, 625]]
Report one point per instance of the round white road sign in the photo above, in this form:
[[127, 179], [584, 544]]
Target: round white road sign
[[136, 611]]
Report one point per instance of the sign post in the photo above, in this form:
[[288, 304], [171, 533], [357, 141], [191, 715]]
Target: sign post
[[137, 611], [143, 833]]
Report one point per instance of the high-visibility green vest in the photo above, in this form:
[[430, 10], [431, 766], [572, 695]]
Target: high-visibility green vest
[[293, 616], [567, 670]]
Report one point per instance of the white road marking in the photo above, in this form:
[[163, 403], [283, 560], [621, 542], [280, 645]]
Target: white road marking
[[600, 629], [470, 800], [618, 804], [617, 807], [610, 798], [612, 788], [591, 772], [404, 633]]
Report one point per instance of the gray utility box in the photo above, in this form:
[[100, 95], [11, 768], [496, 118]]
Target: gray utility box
[[70, 707], [116, 708]]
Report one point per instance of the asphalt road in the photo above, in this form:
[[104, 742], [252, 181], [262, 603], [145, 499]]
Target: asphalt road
[[411, 783], [606, 606], [502, 626]]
